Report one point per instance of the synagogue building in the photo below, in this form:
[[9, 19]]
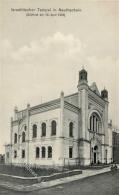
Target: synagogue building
[[69, 130]]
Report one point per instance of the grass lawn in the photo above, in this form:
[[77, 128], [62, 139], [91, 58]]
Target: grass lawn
[[23, 172], [46, 174]]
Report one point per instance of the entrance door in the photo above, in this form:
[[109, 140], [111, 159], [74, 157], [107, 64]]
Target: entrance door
[[94, 157]]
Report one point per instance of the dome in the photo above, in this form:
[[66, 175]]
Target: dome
[[83, 75], [104, 94]]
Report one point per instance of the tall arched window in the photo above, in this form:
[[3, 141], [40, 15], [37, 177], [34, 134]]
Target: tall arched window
[[49, 152], [43, 152], [34, 130], [91, 123], [15, 138], [71, 129], [53, 127], [37, 152], [23, 136], [95, 123], [25, 127], [43, 128]]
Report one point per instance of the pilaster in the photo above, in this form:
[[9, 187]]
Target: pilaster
[[61, 144], [27, 132]]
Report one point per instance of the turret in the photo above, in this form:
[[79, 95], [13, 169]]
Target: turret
[[104, 94], [83, 76], [28, 106]]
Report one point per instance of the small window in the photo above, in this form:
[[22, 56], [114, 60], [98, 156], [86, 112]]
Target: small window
[[23, 136], [25, 127], [43, 152], [43, 127], [70, 129], [37, 152], [34, 131], [70, 152], [15, 154], [23, 153], [15, 138], [49, 152], [53, 128]]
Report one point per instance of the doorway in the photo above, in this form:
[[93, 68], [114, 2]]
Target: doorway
[[95, 154], [95, 158]]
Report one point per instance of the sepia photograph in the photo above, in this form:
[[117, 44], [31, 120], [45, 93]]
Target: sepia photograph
[[59, 97]]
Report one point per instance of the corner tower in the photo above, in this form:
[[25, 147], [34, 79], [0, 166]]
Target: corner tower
[[84, 144], [104, 95]]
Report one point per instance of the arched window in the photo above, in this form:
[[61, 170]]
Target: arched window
[[25, 127], [34, 130], [95, 123], [95, 147], [53, 127], [23, 153], [15, 153], [43, 127], [70, 152], [71, 129], [43, 152], [15, 138], [23, 136], [49, 152], [37, 152], [91, 123]]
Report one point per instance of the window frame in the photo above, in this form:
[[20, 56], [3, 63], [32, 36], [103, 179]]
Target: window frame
[[15, 153], [43, 152], [53, 128], [15, 138], [37, 152], [23, 137], [34, 131], [43, 129], [70, 152], [49, 152], [23, 153], [71, 127]]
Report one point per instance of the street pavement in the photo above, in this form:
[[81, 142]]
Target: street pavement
[[102, 184], [48, 184]]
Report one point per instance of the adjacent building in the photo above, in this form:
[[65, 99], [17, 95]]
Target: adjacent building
[[69, 130], [115, 143]]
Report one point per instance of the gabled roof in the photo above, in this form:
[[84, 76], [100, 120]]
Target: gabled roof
[[94, 88]]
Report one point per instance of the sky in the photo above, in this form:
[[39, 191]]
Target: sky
[[42, 55]]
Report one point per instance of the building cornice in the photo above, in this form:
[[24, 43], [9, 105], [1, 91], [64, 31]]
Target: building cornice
[[105, 144], [84, 140], [71, 107], [54, 104], [93, 132]]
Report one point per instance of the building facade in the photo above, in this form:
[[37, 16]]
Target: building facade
[[70, 130], [115, 144]]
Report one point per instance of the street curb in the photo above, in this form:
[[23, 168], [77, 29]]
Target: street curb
[[45, 185]]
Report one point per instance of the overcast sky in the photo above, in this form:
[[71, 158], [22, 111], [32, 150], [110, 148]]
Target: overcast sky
[[40, 56]]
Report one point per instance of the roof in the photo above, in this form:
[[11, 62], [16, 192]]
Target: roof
[[94, 88]]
